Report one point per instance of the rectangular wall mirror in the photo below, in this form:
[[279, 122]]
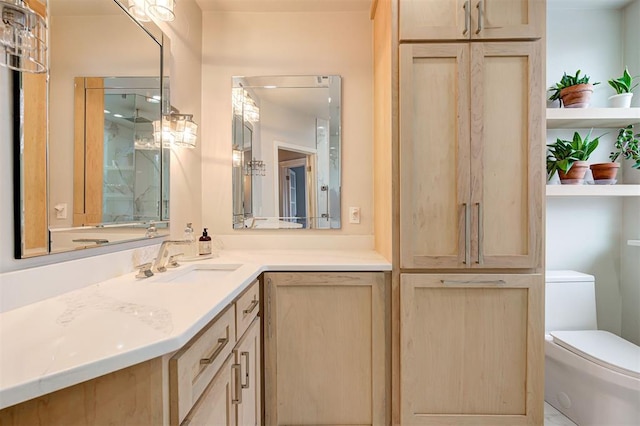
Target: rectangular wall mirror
[[90, 170], [286, 152]]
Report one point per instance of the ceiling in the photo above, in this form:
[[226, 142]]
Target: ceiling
[[285, 5]]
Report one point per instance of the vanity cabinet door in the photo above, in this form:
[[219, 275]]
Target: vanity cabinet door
[[325, 349], [216, 406], [248, 360], [471, 19], [471, 349]]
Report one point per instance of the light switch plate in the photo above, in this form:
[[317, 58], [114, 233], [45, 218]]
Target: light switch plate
[[354, 214]]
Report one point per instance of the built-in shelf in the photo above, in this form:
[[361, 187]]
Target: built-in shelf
[[634, 243], [582, 118], [593, 190]]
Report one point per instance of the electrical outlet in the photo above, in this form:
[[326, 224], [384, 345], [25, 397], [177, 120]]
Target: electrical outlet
[[354, 214], [61, 210]]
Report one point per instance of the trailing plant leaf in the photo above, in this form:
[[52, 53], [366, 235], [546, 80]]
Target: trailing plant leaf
[[627, 146]]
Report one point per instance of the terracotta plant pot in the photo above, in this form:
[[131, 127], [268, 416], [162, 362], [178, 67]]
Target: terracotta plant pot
[[604, 171], [575, 175], [577, 96]]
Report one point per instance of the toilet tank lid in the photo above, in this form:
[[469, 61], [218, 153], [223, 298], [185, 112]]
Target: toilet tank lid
[[567, 276]]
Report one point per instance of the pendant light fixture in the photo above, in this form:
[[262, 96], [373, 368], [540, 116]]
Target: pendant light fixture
[[23, 35], [160, 10], [184, 129]]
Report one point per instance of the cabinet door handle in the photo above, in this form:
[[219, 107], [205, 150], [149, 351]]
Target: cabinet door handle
[[480, 260], [222, 342], [480, 17], [453, 283], [467, 17], [236, 371], [251, 307], [467, 235], [246, 367]]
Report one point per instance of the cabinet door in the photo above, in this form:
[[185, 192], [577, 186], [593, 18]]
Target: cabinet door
[[507, 175], [216, 406], [435, 19], [471, 19], [247, 355], [325, 349], [507, 19], [434, 156], [471, 349]]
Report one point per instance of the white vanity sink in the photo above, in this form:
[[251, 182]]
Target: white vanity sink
[[198, 274]]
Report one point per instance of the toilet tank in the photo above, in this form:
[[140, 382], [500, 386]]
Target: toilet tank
[[570, 301]]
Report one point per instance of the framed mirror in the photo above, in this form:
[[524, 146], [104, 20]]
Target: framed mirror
[[286, 152], [89, 171]]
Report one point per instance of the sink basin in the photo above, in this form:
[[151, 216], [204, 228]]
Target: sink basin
[[199, 274]]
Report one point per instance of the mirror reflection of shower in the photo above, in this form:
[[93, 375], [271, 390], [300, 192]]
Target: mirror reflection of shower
[[131, 159]]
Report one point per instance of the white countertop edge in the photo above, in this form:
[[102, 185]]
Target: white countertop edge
[[16, 393]]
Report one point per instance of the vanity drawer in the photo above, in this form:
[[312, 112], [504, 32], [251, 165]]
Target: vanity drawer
[[247, 308], [193, 367]]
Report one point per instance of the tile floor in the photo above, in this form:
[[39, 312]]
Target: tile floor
[[553, 417]]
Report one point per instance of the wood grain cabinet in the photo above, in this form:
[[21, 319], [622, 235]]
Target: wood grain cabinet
[[471, 19], [472, 347], [215, 379], [471, 175], [325, 351]]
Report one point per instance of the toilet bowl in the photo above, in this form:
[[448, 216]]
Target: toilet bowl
[[591, 376]]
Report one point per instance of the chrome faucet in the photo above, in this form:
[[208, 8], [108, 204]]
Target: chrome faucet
[[160, 263]]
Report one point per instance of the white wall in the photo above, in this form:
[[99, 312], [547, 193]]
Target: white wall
[[589, 234], [282, 43]]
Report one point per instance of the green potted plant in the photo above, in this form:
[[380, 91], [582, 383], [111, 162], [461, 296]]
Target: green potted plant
[[569, 157], [627, 146], [623, 86], [573, 91]]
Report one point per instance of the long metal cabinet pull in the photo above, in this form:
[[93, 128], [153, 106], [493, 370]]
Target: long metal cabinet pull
[[246, 367], [236, 370], [467, 17], [453, 283], [222, 342], [251, 307], [480, 235], [480, 17], [467, 235]]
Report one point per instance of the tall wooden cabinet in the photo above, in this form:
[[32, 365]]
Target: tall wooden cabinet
[[325, 357], [466, 119], [470, 143]]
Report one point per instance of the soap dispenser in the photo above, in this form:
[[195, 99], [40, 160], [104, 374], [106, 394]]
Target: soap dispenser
[[192, 249], [204, 244]]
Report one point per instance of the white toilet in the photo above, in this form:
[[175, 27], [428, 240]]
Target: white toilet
[[591, 376]]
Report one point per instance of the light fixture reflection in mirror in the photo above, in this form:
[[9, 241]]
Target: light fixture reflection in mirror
[[144, 10], [286, 152]]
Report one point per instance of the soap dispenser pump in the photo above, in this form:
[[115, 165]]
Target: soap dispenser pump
[[204, 243]]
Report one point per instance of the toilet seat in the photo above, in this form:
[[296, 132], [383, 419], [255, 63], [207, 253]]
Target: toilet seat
[[602, 348]]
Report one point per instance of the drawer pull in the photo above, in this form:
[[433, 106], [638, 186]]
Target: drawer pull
[[236, 370], [246, 367], [472, 282], [251, 307], [222, 342]]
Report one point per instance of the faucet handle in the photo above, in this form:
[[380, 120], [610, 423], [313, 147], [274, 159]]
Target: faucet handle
[[144, 270], [173, 260]]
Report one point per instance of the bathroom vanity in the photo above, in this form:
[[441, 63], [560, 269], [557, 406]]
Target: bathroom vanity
[[186, 344]]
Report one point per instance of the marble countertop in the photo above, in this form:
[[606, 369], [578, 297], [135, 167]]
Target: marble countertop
[[104, 327]]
